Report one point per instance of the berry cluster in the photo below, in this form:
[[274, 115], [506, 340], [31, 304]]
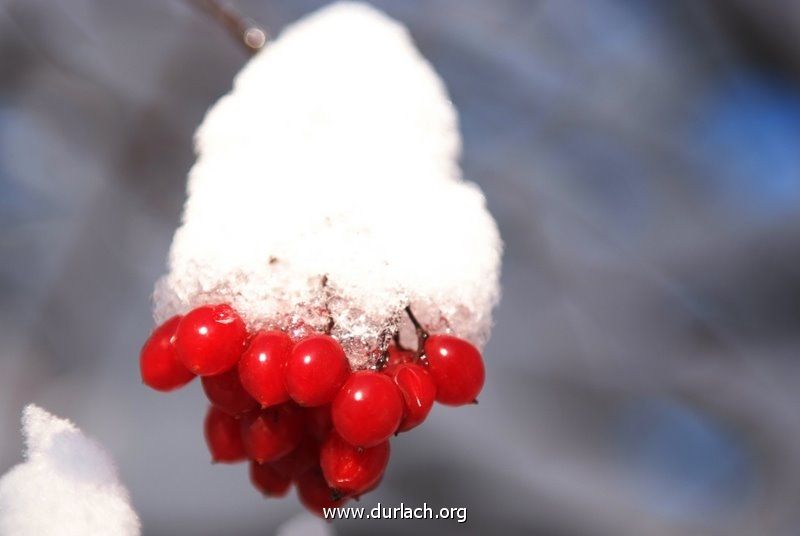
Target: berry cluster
[[295, 409]]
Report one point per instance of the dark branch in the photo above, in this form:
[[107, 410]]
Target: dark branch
[[246, 31]]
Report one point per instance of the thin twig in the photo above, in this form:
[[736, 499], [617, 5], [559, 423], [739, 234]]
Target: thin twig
[[397, 343], [383, 350], [422, 333], [246, 31], [330, 323]]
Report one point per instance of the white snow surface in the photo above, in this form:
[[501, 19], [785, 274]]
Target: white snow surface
[[67, 486], [327, 183]]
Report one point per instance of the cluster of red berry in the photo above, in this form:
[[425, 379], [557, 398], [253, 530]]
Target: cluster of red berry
[[295, 409]]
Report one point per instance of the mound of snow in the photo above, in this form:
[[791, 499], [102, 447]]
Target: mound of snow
[[327, 183], [67, 486]]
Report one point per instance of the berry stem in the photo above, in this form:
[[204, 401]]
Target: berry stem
[[330, 323], [396, 338], [422, 334], [383, 359]]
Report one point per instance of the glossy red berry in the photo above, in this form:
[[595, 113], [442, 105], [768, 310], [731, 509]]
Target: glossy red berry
[[396, 356], [271, 433], [318, 421], [367, 409], [315, 370], [269, 480], [373, 487], [210, 339], [301, 459], [261, 367], [456, 367], [226, 392], [351, 470], [223, 437], [158, 361], [418, 390], [314, 492]]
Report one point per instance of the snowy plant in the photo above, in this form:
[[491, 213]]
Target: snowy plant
[[327, 187], [67, 486]]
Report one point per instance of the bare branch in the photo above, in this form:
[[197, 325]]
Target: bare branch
[[246, 31]]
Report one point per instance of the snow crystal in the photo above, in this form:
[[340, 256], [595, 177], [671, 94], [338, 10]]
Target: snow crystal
[[327, 183], [67, 486]]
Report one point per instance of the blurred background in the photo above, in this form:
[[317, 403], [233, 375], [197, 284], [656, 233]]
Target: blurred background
[[642, 159]]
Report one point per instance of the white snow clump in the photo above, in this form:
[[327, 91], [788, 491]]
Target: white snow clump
[[327, 183], [68, 485]]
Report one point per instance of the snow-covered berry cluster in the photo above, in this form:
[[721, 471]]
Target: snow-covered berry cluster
[[294, 408], [320, 322]]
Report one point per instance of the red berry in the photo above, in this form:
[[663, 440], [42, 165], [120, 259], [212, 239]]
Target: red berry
[[315, 370], [314, 492], [418, 390], [371, 488], [158, 361], [261, 367], [301, 459], [226, 392], [351, 470], [456, 367], [269, 480], [397, 356], [223, 437], [368, 409], [210, 339], [271, 433], [318, 421]]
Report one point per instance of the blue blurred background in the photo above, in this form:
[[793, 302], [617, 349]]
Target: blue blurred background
[[642, 159]]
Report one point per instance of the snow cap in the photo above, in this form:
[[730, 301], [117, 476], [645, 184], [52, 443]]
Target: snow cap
[[326, 184]]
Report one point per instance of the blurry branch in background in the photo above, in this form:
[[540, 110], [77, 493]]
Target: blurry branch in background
[[246, 31]]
